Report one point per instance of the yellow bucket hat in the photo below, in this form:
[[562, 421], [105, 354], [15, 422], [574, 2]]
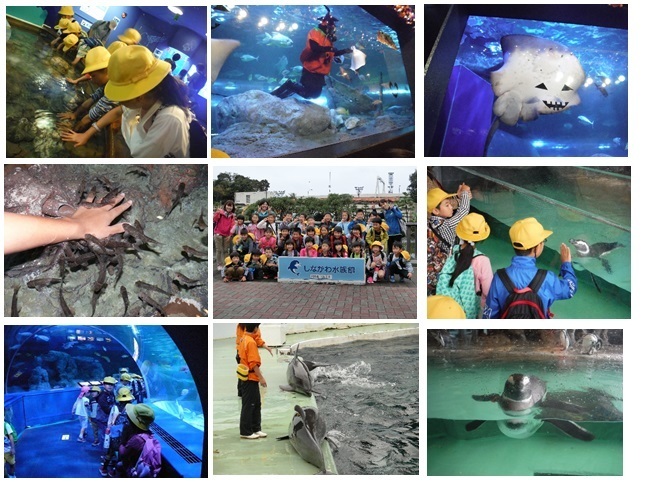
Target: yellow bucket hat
[[473, 227], [434, 198], [96, 59], [66, 11], [130, 36], [69, 42], [377, 243], [442, 307], [134, 71], [527, 233], [73, 27], [117, 44], [63, 23], [217, 153]]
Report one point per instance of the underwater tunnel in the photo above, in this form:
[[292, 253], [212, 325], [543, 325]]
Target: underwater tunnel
[[45, 364]]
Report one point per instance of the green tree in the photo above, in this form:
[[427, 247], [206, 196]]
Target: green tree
[[411, 189], [228, 183]]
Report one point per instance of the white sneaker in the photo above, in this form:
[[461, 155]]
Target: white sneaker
[[261, 434], [250, 437]]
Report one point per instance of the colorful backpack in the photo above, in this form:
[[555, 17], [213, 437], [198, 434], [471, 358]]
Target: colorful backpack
[[437, 254], [149, 462], [463, 288]]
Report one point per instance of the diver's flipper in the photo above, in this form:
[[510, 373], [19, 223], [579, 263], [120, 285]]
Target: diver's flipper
[[474, 425], [571, 428], [492, 397]]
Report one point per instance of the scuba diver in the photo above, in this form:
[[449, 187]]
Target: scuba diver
[[317, 59]]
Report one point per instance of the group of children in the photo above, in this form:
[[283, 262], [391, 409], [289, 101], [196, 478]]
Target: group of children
[[461, 283], [257, 246], [120, 423]]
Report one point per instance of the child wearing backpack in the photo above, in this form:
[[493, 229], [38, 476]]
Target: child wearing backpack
[[116, 421], [467, 274], [531, 291], [80, 409], [140, 453], [9, 449]]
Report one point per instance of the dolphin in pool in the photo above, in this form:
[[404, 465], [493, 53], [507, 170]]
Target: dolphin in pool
[[526, 402], [299, 377], [307, 431]]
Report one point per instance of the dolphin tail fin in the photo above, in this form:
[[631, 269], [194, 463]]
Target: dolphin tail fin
[[286, 388], [474, 425], [572, 429], [285, 437]]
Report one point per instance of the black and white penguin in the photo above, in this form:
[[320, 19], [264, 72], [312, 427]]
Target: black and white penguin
[[596, 250]]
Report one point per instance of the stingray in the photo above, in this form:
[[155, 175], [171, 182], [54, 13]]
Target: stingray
[[526, 401], [220, 50], [358, 59], [539, 76]]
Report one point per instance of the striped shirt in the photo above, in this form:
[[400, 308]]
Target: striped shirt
[[102, 105], [447, 228]]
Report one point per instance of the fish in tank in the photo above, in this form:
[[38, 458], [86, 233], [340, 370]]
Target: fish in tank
[[523, 87], [47, 366], [273, 96]]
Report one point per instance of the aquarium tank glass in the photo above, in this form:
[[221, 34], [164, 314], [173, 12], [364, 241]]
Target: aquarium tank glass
[[586, 94], [48, 358], [366, 93]]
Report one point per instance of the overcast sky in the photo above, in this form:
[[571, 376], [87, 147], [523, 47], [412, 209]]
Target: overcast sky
[[314, 181]]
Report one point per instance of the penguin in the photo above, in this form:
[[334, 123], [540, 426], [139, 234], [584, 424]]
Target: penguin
[[596, 250], [590, 344]]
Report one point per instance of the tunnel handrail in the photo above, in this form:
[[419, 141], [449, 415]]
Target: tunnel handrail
[[547, 199]]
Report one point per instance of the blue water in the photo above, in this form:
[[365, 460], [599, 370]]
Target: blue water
[[602, 52]]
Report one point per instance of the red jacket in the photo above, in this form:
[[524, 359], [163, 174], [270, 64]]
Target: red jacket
[[223, 222]]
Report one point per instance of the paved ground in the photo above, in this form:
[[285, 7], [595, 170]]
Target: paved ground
[[271, 300]]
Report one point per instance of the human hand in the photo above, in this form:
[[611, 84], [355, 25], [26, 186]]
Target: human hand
[[262, 381], [97, 220], [565, 253], [79, 139], [269, 350], [409, 275], [71, 81]]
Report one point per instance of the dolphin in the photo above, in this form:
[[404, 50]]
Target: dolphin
[[299, 377], [307, 431], [221, 49], [525, 400]]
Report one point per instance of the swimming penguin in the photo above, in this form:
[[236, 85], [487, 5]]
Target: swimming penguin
[[596, 250], [590, 344], [522, 400]]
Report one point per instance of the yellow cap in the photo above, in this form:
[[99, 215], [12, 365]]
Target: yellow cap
[[117, 44], [69, 42], [217, 153], [434, 198], [66, 11], [96, 59], [130, 36], [444, 307], [473, 227], [376, 243], [134, 71], [63, 23], [73, 27], [528, 233]]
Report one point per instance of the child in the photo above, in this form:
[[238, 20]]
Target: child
[[287, 222], [324, 233], [268, 222], [528, 238], [269, 240], [327, 221], [398, 263], [289, 249], [311, 222], [116, 422], [376, 233], [223, 221], [270, 268], [359, 220], [80, 409], [338, 235], [234, 271], [339, 249], [92, 414], [356, 236], [238, 225], [248, 352], [344, 223], [253, 228], [308, 250], [310, 231], [325, 250], [254, 267], [245, 244], [356, 250], [376, 261], [9, 449], [442, 227], [467, 274], [284, 235], [297, 239]]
